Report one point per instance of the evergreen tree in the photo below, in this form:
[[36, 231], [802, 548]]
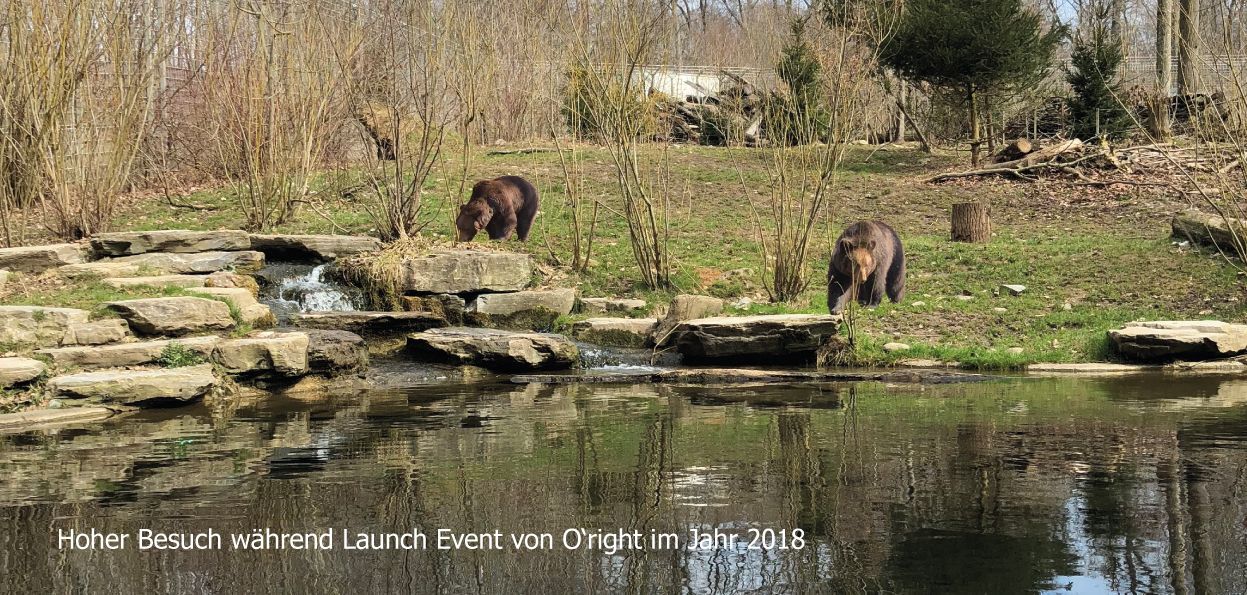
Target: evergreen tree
[[800, 117], [974, 47], [1092, 78]]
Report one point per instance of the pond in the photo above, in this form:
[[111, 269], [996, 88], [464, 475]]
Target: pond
[[1113, 485]]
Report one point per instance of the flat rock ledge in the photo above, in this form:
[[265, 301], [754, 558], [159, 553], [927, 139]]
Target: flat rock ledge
[[369, 323], [1180, 340], [521, 310], [136, 387], [754, 375], [465, 271], [38, 326], [754, 338], [268, 353], [312, 248], [129, 243], [19, 370], [493, 349], [27, 420], [167, 263], [37, 259], [601, 305], [173, 316], [614, 332], [1100, 369], [127, 354]]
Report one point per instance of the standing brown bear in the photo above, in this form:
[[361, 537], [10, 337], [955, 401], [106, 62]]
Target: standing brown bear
[[499, 206], [869, 257]]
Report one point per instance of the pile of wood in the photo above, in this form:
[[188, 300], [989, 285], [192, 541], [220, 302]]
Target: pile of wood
[[731, 116], [1103, 165]]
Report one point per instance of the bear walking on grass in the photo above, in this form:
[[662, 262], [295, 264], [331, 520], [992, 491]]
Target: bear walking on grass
[[500, 206], [869, 257]]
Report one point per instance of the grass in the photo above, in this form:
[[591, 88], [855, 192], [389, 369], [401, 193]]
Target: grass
[[177, 355], [86, 294], [1104, 252]]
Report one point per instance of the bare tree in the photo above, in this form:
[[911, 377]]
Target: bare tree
[[613, 94], [72, 120], [1189, 35], [400, 83], [802, 189]]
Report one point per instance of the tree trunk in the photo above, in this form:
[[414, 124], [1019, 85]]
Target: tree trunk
[[1188, 47], [972, 223], [1164, 69], [900, 112], [975, 131]]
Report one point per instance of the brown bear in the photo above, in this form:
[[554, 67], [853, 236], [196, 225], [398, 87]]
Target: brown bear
[[499, 206], [868, 258]]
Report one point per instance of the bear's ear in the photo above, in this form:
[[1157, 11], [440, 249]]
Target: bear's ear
[[870, 245]]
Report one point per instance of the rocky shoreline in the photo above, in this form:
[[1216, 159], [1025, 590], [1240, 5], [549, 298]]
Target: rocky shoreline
[[212, 337]]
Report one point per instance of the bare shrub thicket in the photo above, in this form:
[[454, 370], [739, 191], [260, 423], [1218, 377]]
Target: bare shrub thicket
[[401, 89], [802, 196], [271, 99], [611, 93], [77, 84]]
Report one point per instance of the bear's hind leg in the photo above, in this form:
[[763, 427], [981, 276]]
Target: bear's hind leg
[[522, 226]]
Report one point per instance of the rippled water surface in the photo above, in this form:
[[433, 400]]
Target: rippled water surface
[[1132, 484]]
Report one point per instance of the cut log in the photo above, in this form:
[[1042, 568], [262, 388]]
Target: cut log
[[1016, 150], [1226, 234], [971, 222]]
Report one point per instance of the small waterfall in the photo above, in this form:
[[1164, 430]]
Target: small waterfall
[[294, 288]]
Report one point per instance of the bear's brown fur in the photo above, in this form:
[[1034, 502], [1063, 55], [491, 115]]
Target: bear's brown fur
[[868, 258], [500, 206]]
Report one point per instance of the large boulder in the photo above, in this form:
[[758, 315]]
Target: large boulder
[[37, 326], [128, 354], [525, 310], [137, 387], [615, 332], [280, 354], [36, 259], [1210, 229], [314, 248], [19, 370], [465, 271], [166, 263], [250, 310], [182, 281], [1180, 339], [128, 243], [601, 305], [99, 332], [336, 352], [494, 349], [173, 316], [686, 307], [369, 323], [783, 337]]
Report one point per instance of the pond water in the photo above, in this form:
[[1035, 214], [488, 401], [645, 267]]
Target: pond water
[[1131, 484]]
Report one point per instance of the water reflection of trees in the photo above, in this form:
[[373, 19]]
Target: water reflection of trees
[[986, 488]]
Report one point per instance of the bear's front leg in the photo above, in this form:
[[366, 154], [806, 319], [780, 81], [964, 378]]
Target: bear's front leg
[[838, 293], [873, 290]]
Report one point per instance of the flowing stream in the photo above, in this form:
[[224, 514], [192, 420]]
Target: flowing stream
[[292, 288]]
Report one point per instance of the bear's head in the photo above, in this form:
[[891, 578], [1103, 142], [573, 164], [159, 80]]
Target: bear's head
[[861, 257], [473, 217]]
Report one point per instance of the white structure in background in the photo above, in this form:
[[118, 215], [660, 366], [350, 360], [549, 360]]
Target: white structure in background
[[695, 82]]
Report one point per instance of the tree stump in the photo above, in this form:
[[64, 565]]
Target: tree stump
[[972, 222]]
